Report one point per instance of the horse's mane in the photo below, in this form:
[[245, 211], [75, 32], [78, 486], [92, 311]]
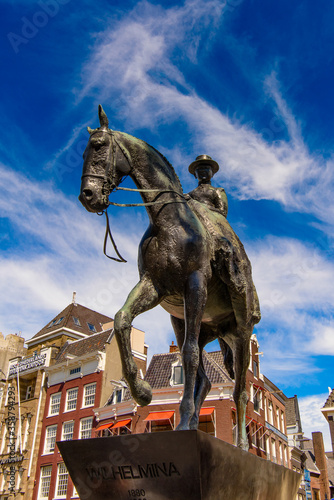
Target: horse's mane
[[169, 164], [170, 171]]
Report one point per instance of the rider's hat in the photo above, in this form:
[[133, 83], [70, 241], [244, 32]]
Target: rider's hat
[[203, 159]]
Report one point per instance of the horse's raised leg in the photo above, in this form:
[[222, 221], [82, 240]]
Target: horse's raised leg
[[241, 363], [194, 302], [142, 298]]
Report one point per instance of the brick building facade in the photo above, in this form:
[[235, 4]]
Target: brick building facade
[[218, 415]]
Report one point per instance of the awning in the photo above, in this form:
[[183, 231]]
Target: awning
[[104, 426], [122, 423], [159, 415], [206, 411]]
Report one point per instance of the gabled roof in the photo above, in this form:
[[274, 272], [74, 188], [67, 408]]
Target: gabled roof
[[330, 467], [292, 412], [159, 372], [93, 343], [330, 400], [65, 319], [310, 463]]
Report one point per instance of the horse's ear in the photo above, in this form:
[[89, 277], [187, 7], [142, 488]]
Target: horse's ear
[[90, 130], [104, 122]]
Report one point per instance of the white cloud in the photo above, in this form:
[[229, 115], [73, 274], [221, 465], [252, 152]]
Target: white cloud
[[37, 279], [290, 275], [132, 63], [295, 287], [312, 418], [322, 341]]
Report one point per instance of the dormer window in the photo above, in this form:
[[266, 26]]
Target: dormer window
[[56, 322], [117, 396], [177, 375], [76, 321], [91, 327]]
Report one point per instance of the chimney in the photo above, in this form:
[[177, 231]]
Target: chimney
[[74, 297], [321, 462], [173, 347]]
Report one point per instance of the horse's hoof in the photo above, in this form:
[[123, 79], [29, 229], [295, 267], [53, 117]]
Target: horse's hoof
[[142, 393], [243, 445], [182, 427], [194, 423]]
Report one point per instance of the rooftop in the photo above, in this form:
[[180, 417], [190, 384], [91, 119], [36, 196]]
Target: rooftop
[[330, 400], [75, 317], [93, 343]]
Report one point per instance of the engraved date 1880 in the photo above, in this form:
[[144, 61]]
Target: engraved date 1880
[[137, 494]]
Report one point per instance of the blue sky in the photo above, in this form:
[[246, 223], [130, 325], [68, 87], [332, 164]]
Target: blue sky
[[247, 82]]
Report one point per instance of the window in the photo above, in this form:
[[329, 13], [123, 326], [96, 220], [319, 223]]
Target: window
[[270, 412], [50, 439], [55, 403], [71, 399], [45, 480], [75, 493], [91, 327], [29, 392], [286, 455], [68, 428], [59, 320], [86, 425], [178, 375], [255, 369], [273, 450], [89, 394], [277, 418], [117, 396], [76, 321], [234, 428], [52, 323], [257, 399], [62, 480], [75, 370]]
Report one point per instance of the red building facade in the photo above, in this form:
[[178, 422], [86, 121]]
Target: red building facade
[[68, 415]]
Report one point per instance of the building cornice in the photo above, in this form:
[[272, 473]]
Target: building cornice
[[55, 333]]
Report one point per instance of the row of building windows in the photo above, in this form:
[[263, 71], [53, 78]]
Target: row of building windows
[[76, 321], [72, 399], [85, 432], [61, 482]]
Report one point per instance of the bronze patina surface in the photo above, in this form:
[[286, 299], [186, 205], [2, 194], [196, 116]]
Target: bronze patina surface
[[190, 262], [188, 465]]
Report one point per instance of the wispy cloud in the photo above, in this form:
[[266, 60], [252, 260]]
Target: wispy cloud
[[131, 62], [295, 287], [59, 250], [312, 418]]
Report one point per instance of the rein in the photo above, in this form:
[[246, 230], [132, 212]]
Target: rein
[[108, 230], [104, 177]]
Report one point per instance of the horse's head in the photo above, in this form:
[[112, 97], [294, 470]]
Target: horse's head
[[104, 166]]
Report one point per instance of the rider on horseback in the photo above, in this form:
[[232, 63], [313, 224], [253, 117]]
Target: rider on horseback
[[204, 168]]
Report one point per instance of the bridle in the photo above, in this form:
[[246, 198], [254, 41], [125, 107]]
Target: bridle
[[109, 185]]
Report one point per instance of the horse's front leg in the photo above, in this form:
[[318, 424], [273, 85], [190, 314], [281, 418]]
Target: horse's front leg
[[194, 302], [142, 298]]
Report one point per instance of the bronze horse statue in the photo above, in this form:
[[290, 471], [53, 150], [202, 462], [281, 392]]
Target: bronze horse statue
[[190, 262]]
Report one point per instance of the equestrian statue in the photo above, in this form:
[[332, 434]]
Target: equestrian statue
[[190, 262]]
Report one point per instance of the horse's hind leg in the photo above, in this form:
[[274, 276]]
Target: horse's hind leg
[[142, 298], [202, 384], [194, 299], [241, 363]]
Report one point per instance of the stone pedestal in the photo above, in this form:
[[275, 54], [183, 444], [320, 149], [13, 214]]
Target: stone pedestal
[[181, 465]]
